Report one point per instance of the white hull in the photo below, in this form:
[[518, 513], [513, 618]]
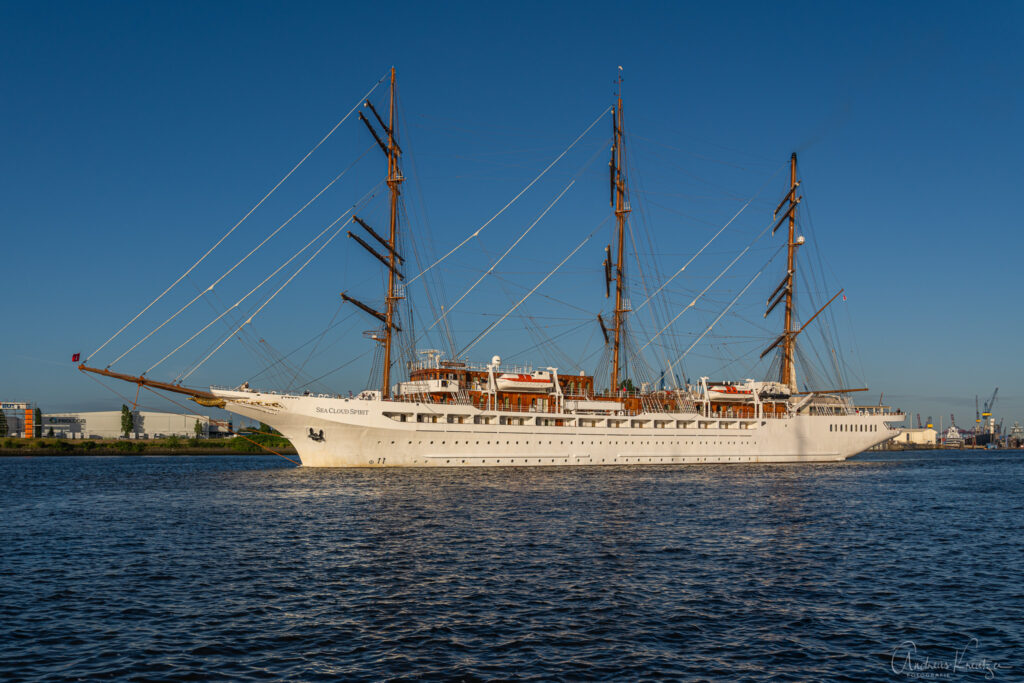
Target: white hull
[[372, 433]]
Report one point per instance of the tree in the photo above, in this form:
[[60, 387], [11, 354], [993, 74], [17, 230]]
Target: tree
[[627, 385], [49, 432], [3, 424], [39, 423], [198, 429], [127, 421]]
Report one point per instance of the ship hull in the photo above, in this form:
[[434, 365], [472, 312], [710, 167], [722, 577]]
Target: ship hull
[[338, 432]]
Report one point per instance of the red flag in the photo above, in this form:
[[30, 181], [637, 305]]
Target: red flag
[[844, 297], [75, 357]]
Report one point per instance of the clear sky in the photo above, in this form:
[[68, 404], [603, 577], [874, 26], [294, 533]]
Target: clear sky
[[135, 134]]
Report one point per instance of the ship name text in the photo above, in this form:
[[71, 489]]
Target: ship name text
[[342, 411]]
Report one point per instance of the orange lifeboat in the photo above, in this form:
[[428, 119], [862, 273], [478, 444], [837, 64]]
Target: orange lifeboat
[[535, 381]]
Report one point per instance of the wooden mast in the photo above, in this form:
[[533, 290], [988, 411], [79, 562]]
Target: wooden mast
[[621, 209], [789, 338], [394, 181]]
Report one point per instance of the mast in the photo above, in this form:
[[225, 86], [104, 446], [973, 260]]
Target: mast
[[784, 292], [621, 210], [789, 339], [394, 181]]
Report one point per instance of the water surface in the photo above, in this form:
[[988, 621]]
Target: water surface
[[226, 567]]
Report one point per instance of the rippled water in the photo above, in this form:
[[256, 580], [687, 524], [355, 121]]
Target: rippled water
[[247, 567]]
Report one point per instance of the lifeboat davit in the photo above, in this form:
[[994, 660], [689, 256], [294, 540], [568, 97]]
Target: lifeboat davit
[[536, 381], [728, 392]]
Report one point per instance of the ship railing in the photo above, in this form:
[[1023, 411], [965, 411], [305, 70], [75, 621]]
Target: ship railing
[[457, 367], [275, 392]]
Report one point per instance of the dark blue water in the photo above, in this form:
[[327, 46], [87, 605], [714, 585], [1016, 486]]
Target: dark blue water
[[197, 568]]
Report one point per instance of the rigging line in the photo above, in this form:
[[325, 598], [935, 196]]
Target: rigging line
[[364, 198], [297, 349], [513, 200], [687, 264], [331, 372], [548, 296], [240, 262], [276, 292], [489, 271], [643, 284], [549, 341], [742, 209], [444, 313], [715, 322], [546, 277], [323, 334], [228, 233], [704, 291]]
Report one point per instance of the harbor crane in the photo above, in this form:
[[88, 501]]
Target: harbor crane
[[988, 406]]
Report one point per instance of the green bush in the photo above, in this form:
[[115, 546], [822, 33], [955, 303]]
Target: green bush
[[124, 446], [242, 446], [62, 446], [88, 445], [172, 442]]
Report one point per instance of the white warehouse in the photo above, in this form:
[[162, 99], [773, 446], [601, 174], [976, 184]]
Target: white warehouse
[[106, 424]]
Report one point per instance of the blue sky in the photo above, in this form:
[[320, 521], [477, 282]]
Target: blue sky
[[136, 134]]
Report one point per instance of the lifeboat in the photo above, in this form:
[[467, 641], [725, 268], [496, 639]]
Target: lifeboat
[[728, 392], [535, 381]]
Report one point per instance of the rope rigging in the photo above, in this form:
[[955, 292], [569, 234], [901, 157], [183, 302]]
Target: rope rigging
[[294, 256], [235, 226], [513, 200], [276, 292], [497, 322]]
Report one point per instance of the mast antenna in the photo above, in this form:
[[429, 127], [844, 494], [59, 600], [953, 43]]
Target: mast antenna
[[394, 182], [789, 343], [618, 164]]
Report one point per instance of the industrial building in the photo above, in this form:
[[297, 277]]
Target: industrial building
[[106, 424], [922, 436], [19, 418]]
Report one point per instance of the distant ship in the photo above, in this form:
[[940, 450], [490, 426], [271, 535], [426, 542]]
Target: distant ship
[[953, 438], [452, 412]]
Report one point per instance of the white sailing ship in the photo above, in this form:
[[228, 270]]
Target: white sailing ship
[[450, 412]]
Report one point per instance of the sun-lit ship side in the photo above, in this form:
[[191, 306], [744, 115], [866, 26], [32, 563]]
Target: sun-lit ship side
[[435, 420], [368, 432]]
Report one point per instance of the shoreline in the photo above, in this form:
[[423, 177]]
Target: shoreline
[[255, 444]]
